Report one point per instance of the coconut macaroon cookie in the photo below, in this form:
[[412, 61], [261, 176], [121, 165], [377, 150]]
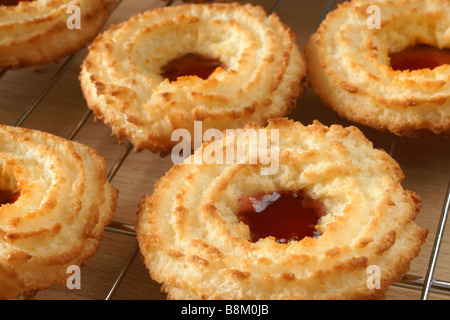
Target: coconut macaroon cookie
[[385, 64], [54, 204], [36, 32], [222, 64], [332, 213]]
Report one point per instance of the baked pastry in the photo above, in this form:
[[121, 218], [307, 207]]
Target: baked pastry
[[350, 65], [206, 232], [54, 204], [203, 1], [131, 76], [40, 32]]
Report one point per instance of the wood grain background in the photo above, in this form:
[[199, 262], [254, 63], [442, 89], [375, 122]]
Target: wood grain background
[[425, 161]]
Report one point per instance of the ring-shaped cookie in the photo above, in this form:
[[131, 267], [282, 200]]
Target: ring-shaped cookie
[[39, 32], [261, 76], [195, 244], [64, 202], [349, 65]]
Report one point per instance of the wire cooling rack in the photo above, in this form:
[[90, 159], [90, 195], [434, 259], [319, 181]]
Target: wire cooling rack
[[425, 284]]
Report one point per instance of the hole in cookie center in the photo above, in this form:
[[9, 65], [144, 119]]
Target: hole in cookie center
[[285, 215], [191, 64], [10, 188], [9, 196], [13, 2], [420, 57]]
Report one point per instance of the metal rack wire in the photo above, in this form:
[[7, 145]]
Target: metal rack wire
[[425, 284]]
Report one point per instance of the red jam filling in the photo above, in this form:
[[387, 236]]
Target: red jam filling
[[12, 2], [285, 215], [191, 64], [420, 57], [8, 196]]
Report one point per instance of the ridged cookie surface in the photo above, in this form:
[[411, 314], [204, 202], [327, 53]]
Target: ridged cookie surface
[[194, 244], [42, 31], [349, 65], [122, 82], [58, 220]]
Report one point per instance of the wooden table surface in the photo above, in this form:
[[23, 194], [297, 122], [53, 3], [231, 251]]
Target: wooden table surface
[[425, 161]]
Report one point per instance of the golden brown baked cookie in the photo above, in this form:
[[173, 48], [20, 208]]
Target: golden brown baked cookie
[[199, 240], [37, 32], [54, 204], [204, 1], [258, 74], [349, 65]]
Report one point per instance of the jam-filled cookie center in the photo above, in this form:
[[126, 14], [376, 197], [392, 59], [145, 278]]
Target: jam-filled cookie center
[[10, 188], [9, 196], [191, 64], [13, 2], [420, 57], [285, 215]]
